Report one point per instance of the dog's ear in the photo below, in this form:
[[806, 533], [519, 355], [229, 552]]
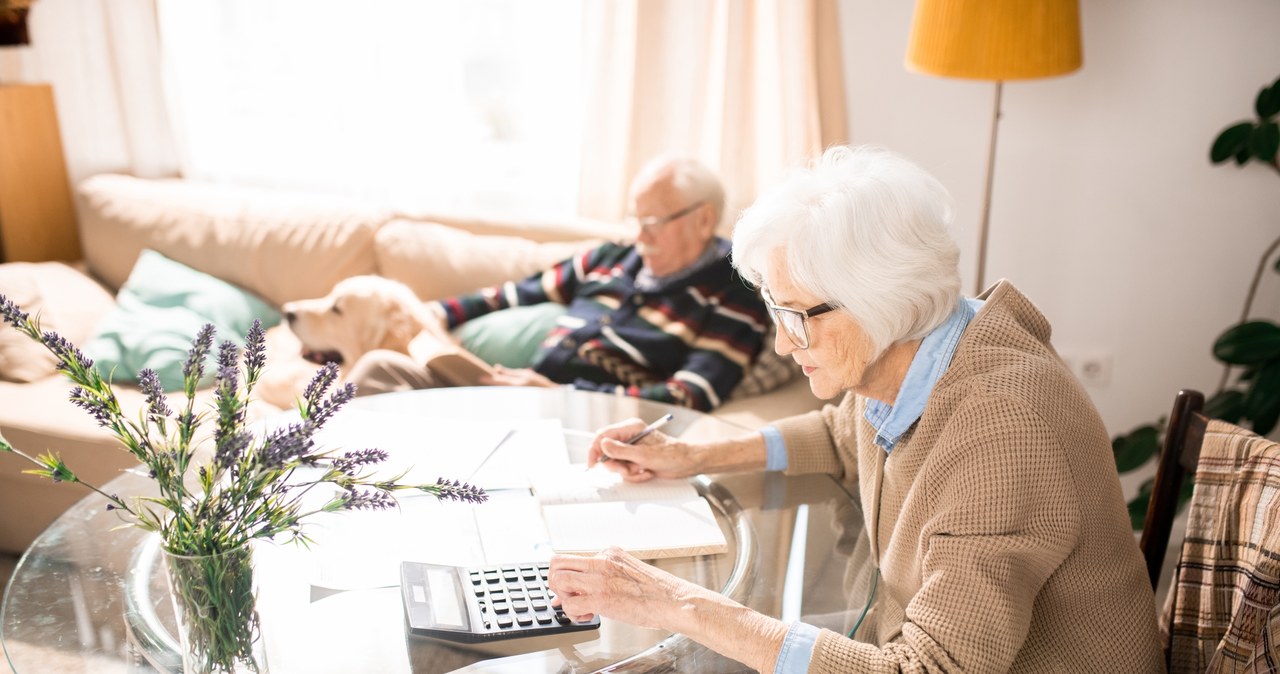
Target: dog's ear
[[404, 320]]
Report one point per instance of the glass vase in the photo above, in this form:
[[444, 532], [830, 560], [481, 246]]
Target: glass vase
[[215, 606]]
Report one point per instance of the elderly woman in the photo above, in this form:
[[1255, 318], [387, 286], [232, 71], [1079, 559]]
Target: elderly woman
[[990, 494]]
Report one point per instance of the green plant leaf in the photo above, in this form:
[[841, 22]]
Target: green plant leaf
[[1248, 343], [1262, 403], [1227, 406], [1231, 141], [1268, 101], [1264, 141], [1135, 448]]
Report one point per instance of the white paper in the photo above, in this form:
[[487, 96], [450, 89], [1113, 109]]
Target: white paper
[[427, 448], [588, 510]]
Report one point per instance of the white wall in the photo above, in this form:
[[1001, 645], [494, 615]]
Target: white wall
[[1106, 210]]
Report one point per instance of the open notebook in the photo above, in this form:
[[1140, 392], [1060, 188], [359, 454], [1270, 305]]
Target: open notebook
[[586, 511]]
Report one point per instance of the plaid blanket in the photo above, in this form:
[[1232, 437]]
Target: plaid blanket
[[1223, 614]]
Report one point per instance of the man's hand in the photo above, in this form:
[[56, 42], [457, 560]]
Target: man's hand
[[505, 376]]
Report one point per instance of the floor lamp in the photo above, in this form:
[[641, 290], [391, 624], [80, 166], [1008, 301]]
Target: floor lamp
[[994, 40]]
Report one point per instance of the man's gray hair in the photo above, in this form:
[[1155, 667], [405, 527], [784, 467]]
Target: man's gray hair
[[690, 178], [866, 230]]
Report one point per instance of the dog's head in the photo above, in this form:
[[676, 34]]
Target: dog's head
[[360, 314]]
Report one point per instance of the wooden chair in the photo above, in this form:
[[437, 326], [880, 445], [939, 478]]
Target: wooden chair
[[1178, 458], [1221, 614]]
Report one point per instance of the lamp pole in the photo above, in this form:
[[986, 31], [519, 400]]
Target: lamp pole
[[985, 223]]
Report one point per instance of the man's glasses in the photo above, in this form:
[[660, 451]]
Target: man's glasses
[[793, 322], [651, 224]]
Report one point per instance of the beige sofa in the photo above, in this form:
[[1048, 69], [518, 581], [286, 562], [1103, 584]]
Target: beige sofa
[[281, 246]]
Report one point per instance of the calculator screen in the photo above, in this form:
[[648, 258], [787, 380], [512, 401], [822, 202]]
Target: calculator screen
[[444, 598]]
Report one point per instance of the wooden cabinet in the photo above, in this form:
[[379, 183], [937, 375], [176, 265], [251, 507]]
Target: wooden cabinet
[[37, 218]]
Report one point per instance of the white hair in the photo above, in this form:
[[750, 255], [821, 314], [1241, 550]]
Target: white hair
[[866, 230], [690, 177]]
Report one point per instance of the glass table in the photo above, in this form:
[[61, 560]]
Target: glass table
[[87, 598]]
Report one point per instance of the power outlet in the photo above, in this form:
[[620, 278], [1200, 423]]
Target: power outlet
[[1095, 369], [1092, 368]]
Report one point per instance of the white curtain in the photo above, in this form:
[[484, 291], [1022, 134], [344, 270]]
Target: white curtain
[[102, 59], [534, 109], [437, 105], [750, 87]]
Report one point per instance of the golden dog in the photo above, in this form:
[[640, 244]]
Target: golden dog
[[360, 314]]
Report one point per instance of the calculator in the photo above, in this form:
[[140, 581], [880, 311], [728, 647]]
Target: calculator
[[482, 603]]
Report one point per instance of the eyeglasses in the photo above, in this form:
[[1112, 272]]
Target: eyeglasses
[[793, 322], [651, 224]]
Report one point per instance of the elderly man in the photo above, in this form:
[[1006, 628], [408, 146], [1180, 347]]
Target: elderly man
[[666, 319]]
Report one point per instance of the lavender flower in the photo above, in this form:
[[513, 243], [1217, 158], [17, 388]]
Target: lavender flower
[[456, 491], [11, 313], [65, 351], [231, 448], [320, 382], [193, 369], [157, 404], [348, 462], [255, 349], [91, 404], [289, 443], [320, 413], [228, 376], [196, 511], [368, 500]]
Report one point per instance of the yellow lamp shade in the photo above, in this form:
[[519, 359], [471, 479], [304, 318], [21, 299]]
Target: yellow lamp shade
[[995, 39]]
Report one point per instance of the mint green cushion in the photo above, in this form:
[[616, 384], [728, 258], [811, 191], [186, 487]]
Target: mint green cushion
[[158, 312], [511, 336]]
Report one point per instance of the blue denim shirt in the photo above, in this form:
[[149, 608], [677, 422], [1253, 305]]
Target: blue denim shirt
[[891, 422]]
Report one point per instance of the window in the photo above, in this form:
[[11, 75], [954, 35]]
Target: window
[[432, 105]]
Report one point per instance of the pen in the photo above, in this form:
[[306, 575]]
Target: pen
[[488, 456], [659, 423]]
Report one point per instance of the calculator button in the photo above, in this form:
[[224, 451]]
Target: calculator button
[[539, 605], [504, 621], [544, 619], [562, 618], [501, 607], [520, 606], [524, 620]]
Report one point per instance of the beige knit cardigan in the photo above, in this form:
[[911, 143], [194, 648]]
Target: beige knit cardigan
[[997, 521]]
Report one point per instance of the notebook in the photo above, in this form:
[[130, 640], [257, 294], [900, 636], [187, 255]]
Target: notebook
[[589, 510]]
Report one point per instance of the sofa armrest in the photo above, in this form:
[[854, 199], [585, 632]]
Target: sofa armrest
[[66, 300]]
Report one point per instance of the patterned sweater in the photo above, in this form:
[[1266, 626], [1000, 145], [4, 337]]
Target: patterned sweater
[[997, 521], [686, 342]]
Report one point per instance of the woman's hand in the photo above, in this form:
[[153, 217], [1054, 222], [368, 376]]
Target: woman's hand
[[657, 455], [506, 376], [616, 585]]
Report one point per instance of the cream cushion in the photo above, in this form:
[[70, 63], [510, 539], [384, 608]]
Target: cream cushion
[[280, 245], [438, 261], [66, 301]]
